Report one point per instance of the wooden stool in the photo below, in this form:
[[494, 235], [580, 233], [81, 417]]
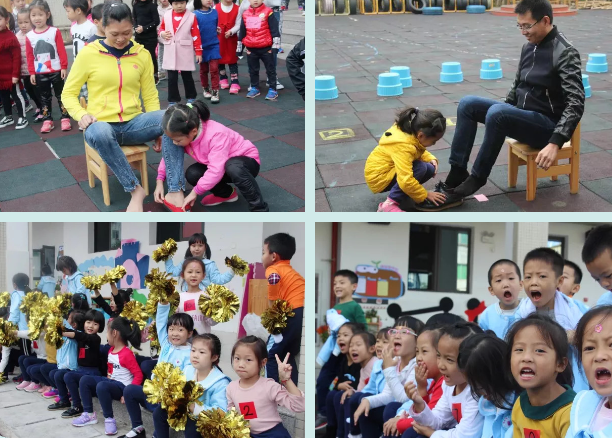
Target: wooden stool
[[520, 154]]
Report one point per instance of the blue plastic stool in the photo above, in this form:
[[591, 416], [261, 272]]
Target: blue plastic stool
[[451, 73], [433, 10], [490, 69], [587, 86], [389, 84], [597, 63], [404, 74], [325, 88], [476, 9]]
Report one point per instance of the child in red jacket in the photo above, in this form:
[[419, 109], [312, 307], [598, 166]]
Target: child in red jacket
[[10, 72]]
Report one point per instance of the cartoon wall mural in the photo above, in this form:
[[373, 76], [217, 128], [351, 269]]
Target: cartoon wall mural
[[378, 282], [136, 264]]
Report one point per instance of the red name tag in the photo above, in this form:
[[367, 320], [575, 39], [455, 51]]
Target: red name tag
[[457, 412], [35, 344], [248, 410], [189, 305], [81, 353], [532, 433]]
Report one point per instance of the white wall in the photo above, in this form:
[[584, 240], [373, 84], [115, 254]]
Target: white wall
[[323, 239], [17, 253]]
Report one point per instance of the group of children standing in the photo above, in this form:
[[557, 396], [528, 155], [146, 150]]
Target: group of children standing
[[83, 368], [536, 367]]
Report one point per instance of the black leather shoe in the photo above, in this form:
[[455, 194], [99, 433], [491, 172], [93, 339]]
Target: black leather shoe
[[468, 187], [451, 201], [441, 187]]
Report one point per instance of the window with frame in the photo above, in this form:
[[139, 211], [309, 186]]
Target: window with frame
[[439, 258], [107, 236], [178, 231], [557, 243]]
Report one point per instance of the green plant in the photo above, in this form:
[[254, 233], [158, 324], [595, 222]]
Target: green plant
[[372, 313]]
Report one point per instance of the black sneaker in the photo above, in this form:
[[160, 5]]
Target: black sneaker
[[72, 412], [22, 122], [137, 432], [320, 422], [58, 406], [18, 379], [6, 121]]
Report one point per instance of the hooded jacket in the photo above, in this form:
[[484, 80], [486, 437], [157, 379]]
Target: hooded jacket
[[214, 386], [584, 410]]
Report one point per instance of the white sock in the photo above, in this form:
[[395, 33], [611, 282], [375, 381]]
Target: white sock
[[132, 433]]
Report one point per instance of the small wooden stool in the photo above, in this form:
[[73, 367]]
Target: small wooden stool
[[520, 154]]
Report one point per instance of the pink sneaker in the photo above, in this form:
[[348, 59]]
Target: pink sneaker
[[234, 89], [210, 200], [224, 84], [43, 389], [47, 126], [50, 394], [32, 388], [389, 206], [23, 385], [66, 125]]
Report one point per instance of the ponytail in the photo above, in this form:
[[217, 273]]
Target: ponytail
[[22, 281], [183, 119], [128, 330], [429, 121]]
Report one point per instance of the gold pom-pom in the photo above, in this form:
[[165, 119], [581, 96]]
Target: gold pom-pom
[[178, 408], [60, 304], [214, 423], [7, 329], [93, 282], [239, 266], [5, 298], [135, 311], [221, 304], [115, 274], [162, 288], [54, 331], [165, 251], [31, 300], [37, 319], [153, 336], [274, 319], [164, 376]]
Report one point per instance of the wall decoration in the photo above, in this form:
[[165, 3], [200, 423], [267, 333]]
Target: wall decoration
[[378, 282], [136, 264]]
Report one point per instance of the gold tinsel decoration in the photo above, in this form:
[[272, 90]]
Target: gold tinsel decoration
[[93, 282], [61, 304], [239, 266], [31, 300], [135, 311], [214, 423], [221, 304], [165, 251], [153, 336], [274, 319], [54, 331], [5, 298], [162, 288], [38, 317], [115, 274], [7, 338], [170, 388]]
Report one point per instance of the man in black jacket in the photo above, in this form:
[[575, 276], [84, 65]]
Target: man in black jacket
[[542, 108]]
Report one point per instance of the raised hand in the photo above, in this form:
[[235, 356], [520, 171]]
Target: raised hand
[[413, 394], [388, 360], [284, 369], [420, 375]]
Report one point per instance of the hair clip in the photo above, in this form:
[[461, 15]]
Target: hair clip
[[598, 328]]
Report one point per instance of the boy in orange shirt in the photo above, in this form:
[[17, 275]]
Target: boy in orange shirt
[[287, 284]]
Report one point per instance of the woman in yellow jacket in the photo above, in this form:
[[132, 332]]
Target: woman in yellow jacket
[[400, 163], [117, 71]]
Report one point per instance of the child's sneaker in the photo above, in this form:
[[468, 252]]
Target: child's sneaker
[[66, 125], [6, 121], [279, 86], [207, 93], [389, 205], [43, 389], [18, 379], [33, 387], [38, 117], [215, 96], [22, 122], [110, 426], [253, 92], [58, 406], [47, 127], [137, 432], [29, 108], [272, 94], [234, 88], [224, 84], [210, 200], [85, 419], [23, 385], [50, 394], [72, 412]]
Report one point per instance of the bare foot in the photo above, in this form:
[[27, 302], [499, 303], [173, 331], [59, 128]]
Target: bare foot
[[175, 198], [138, 196]]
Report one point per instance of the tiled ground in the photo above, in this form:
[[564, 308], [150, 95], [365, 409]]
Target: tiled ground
[[356, 49], [47, 172]]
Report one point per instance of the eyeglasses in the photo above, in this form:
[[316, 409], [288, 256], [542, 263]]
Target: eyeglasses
[[527, 26], [393, 332]]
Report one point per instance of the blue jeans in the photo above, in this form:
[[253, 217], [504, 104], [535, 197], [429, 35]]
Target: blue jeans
[[72, 380], [45, 373], [104, 388], [25, 362], [500, 120], [421, 171], [292, 336], [162, 429], [106, 138], [134, 397], [326, 377]]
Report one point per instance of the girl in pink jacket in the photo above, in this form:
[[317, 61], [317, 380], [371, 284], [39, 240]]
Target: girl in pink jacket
[[222, 157]]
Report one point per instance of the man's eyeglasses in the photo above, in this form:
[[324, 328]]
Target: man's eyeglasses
[[527, 26], [406, 331]]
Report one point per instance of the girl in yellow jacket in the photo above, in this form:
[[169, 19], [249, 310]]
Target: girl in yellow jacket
[[400, 163]]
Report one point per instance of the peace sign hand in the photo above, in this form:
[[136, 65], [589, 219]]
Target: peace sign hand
[[284, 369]]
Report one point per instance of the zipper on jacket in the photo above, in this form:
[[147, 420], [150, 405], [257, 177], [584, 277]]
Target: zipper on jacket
[[120, 86], [532, 66], [549, 101]]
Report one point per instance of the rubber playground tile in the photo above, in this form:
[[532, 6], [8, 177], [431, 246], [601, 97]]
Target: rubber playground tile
[[24, 155], [499, 176], [248, 133], [280, 124], [601, 187], [342, 98], [597, 165], [153, 157], [456, 97], [274, 153], [290, 178], [425, 101], [377, 129], [328, 108], [12, 137], [337, 121], [217, 118], [68, 146], [381, 116], [321, 204], [586, 147], [354, 198], [378, 105], [297, 139], [601, 139], [440, 144], [154, 207], [423, 91], [343, 174], [590, 122], [559, 199], [362, 96], [499, 203], [43, 177], [244, 110], [345, 152], [319, 184], [286, 101], [77, 167], [71, 198], [278, 199], [463, 87]]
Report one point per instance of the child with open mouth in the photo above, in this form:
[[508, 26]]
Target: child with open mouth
[[504, 284], [597, 256], [538, 358], [591, 414]]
